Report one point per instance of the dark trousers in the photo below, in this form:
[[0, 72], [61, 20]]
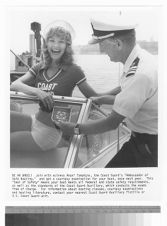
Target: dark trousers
[[140, 151]]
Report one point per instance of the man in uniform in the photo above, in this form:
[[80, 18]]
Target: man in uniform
[[136, 104]]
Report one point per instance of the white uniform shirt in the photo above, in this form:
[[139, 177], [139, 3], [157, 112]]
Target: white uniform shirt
[[138, 100]]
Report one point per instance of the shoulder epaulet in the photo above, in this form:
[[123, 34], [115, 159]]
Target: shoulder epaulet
[[133, 67]]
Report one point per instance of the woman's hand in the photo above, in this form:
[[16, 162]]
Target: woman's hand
[[97, 100], [46, 99], [106, 99], [66, 127]]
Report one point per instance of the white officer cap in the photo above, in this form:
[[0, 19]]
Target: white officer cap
[[102, 30]]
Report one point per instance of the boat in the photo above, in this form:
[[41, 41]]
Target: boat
[[77, 151]]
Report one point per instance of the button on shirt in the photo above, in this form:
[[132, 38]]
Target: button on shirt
[[138, 100]]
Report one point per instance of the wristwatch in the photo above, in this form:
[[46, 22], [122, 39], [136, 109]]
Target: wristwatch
[[76, 129]]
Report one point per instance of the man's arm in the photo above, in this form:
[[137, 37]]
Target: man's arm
[[94, 127], [102, 125]]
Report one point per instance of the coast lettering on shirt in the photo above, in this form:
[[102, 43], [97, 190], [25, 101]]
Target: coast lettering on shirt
[[46, 86]]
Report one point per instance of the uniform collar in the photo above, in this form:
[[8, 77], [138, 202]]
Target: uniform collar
[[134, 53]]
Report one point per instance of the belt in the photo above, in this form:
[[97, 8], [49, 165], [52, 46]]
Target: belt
[[144, 135], [150, 140]]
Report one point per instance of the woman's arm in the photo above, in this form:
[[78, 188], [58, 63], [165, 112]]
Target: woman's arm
[[114, 91], [99, 98], [87, 90], [26, 84], [106, 99]]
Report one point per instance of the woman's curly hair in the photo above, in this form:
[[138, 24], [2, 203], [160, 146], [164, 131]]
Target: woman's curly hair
[[67, 58]]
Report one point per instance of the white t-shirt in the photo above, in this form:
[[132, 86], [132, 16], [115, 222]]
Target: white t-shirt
[[138, 100]]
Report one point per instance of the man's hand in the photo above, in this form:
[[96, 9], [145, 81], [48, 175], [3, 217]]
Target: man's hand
[[66, 127]]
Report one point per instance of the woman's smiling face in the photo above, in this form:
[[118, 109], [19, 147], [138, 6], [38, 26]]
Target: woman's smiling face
[[56, 47]]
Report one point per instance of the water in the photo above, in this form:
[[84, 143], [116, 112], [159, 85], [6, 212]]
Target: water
[[102, 74]]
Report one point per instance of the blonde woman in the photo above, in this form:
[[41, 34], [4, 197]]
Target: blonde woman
[[55, 74]]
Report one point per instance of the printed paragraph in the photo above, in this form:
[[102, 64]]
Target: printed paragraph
[[47, 185]]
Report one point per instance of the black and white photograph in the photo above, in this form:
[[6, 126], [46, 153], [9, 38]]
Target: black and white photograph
[[84, 87], [83, 113]]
